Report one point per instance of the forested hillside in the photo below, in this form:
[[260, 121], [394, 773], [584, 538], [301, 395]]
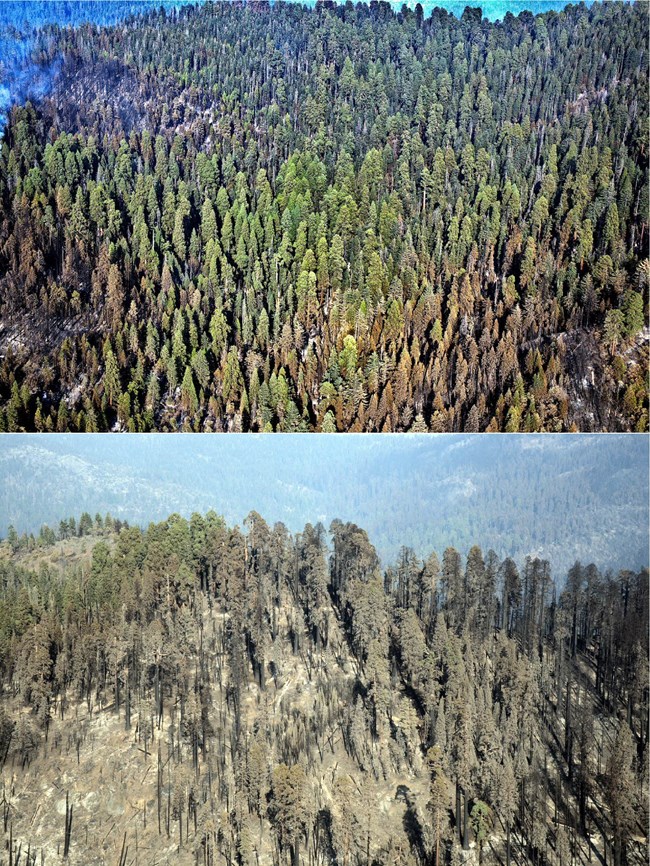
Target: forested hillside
[[250, 218], [196, 694]]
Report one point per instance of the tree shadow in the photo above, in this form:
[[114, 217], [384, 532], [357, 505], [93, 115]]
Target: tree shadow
[[411, 823]]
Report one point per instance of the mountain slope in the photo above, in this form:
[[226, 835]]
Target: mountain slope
[[197, 694], [563, 498]]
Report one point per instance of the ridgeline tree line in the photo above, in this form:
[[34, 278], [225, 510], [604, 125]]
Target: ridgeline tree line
[[243, 217], [286, 701]]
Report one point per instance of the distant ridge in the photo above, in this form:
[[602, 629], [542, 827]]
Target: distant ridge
[[529, 494]]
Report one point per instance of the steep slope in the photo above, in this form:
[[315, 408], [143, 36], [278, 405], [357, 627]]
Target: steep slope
[[196, 695]]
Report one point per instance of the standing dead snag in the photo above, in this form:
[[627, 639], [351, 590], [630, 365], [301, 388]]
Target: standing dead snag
[[68, 826], [123, 852]]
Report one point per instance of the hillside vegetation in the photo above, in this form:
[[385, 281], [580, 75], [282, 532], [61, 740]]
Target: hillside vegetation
[[243, 217], [196, 694]]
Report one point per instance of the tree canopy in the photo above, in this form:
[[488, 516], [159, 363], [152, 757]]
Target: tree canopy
[[263, 695], [243, 217]]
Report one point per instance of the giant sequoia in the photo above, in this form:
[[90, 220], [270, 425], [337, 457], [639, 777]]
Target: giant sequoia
[[215, 695], [240, 217]]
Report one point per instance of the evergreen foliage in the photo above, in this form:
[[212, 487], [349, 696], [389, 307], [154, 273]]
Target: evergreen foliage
[[243, 217], [287, 684]]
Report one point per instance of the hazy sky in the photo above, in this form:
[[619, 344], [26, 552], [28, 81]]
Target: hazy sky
[[77, 11], [559, 496]]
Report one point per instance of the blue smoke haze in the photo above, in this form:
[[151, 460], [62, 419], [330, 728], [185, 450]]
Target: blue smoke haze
[[562, 497]]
